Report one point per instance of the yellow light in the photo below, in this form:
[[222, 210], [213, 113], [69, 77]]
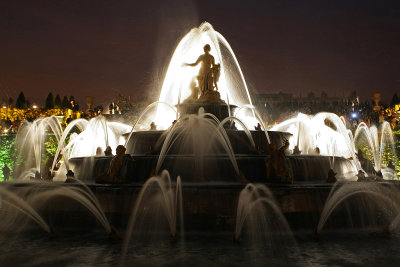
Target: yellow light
[[4, 106], [34, 106], [5, 131]]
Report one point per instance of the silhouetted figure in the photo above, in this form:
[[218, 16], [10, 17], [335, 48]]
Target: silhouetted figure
[[258, 127], [108, 151], [317, 151], [153, 126], [111, 175], [6, 173], [278, 169], [70, 177]]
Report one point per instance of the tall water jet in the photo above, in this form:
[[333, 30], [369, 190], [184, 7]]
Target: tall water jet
[[177, 83]]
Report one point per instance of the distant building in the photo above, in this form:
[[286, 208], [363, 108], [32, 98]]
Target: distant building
[[276, 106]]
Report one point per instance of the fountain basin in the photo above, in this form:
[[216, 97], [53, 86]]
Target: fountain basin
[[206, 206]]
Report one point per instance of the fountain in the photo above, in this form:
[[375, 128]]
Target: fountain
[[198, 146]]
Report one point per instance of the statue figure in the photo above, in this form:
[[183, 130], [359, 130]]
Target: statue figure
[[278, 169], [111, 175], [99, 151], [108, 151], [208, 70], [70, 177]]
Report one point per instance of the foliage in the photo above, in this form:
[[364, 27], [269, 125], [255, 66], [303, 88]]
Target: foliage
[[50, 147], [7, 153]]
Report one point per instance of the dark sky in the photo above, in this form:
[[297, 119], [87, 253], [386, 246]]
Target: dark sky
[[102, 48]]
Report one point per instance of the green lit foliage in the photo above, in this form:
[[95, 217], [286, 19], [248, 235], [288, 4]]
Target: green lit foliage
[[395, 161], [50, 147], [7, 154]]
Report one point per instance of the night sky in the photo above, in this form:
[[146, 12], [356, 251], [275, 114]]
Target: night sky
[[102, 48]]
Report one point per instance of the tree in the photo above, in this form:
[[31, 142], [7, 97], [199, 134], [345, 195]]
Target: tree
[[65, 103], [395, 100], [57, 101], [49, 104], [21, 101]]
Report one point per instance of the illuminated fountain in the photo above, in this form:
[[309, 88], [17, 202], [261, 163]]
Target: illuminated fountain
[[178, 80], [191, 154]]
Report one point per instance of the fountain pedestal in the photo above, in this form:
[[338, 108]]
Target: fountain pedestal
[[220, 110]]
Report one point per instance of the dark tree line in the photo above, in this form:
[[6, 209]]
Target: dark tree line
[[50, 102]]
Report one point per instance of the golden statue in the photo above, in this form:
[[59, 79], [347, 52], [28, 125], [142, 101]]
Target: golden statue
[[208, 73], [111, 174]]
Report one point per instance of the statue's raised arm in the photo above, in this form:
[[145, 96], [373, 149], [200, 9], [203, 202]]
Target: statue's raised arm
[[195, 63]]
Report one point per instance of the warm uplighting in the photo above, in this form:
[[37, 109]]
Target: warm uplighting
[[5, 131], [35, 106], [4, 106]]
